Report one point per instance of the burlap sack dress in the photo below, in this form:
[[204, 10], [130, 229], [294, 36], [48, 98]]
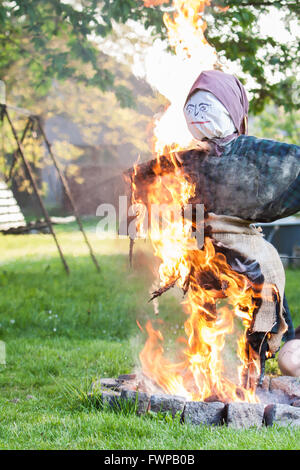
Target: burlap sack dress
[[239, 235]]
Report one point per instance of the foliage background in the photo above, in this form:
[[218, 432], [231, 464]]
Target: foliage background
[[55, 60]]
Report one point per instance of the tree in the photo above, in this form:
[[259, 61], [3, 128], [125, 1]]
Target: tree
[[274, 123], [53, 40], [103, 125], [33, 31], [235, 33]]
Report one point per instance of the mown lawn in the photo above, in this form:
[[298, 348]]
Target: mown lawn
[[62, 332]]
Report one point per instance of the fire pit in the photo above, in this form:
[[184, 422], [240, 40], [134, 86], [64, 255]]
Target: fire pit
[[279, 402]]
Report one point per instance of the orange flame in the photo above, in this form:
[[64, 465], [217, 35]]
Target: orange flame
[[186, 27], [203, 274], [153, 3], [208, 279]]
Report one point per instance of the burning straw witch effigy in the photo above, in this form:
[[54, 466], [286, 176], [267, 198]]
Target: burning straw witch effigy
[[241, 180], [235, 275]]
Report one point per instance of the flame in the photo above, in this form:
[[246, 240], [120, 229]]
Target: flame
[[193, 54], [200, 372], [208, 279], [153, 3], [215, 294], [186, 28]]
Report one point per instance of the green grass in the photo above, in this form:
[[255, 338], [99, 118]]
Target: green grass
[[62, 332]]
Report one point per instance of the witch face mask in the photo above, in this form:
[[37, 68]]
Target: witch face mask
[[206, 116]]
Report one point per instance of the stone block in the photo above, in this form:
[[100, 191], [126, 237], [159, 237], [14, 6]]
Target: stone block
[[270, 398], [244, 415], [111, 398], [167, 403], [109, 383], [141, 399], [197, 412], [283, 415], [289, 385]]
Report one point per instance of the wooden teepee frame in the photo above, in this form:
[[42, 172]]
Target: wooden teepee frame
[[31, 120]]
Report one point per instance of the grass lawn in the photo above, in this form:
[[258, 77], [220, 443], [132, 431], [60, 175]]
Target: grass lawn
[[62, 332]]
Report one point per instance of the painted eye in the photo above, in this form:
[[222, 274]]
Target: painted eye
[[190, 108], [203, 107]]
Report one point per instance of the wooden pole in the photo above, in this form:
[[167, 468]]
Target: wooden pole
[[35, 189], [67, 191], [27, 127]]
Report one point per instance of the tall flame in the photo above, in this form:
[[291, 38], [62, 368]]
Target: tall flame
[[203, 274], [186, 28], [208, 280], [193, 54]]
